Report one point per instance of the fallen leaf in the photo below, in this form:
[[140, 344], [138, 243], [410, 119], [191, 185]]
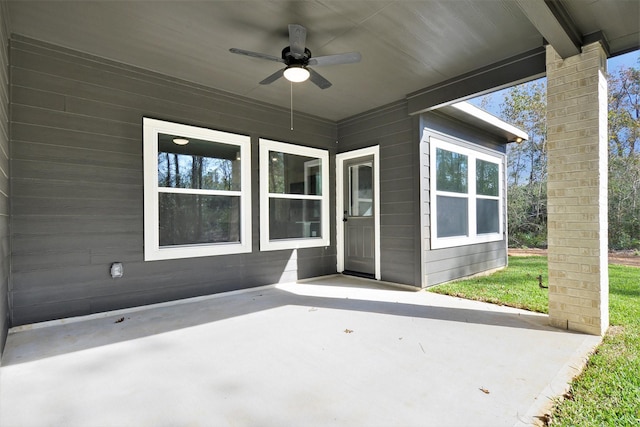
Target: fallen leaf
[[120, 320], [348, 331], [545, 419], [484, 390]]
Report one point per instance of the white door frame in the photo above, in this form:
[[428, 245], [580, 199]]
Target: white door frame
[[340, 159]]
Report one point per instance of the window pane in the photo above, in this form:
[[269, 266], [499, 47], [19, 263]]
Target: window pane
[[452, 216], [361, 190], [292, 218], [198, 164], [293, 174], [487, 178], [487, 216], [191, 219], [451, 171]]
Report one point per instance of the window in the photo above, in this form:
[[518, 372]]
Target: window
[[294, 196], [466, 195], [361, 189], [197, 189]]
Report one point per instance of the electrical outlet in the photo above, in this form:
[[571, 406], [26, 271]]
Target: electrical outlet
[[117, 270]]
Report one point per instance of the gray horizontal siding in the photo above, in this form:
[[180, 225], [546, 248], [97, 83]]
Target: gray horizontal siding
[[4, 175], [394, 131], [443, 265], [107, 92], [77, 185], [438, 123]]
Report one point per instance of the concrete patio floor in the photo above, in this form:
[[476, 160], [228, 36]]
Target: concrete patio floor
[[333, 351]]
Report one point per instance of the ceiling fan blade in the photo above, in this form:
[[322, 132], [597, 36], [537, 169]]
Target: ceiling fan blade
[[318, 80], [297, 40], [273, 77], [256, 55], [341, 58]]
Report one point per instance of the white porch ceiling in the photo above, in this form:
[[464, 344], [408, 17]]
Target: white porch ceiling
[[406, 46]]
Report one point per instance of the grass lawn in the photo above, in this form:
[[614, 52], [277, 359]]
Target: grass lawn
[[607, 392], [515, 286]]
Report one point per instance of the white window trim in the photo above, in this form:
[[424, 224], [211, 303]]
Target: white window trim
[[266, 244], [340, 208], [152, 249], [472, 156]]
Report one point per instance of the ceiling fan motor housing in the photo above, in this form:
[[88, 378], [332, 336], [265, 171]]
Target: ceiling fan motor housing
[[291, 58]]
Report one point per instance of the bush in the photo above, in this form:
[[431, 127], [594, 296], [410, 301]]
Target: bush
[[527, 212]]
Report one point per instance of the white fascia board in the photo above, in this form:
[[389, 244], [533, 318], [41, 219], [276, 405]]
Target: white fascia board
[[490, 119]]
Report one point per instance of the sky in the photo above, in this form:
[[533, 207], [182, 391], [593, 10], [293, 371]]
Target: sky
[[627, 60]]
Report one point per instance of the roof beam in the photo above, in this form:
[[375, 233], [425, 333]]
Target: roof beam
[[552, 20], [511, 71]]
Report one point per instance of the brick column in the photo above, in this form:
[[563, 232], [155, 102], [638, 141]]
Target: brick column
[[577, 145]]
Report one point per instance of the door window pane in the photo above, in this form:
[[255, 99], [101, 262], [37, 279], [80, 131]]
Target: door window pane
[[294, 218], [187, 219], [452, 216], [487, 178], [204, 165], [451, 171], [487, 216], [361, 190]]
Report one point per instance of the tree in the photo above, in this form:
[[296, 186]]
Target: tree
[[624, 111], [624, 158], [525, 107]]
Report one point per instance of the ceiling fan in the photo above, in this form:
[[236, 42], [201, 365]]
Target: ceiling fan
[[297, 59]]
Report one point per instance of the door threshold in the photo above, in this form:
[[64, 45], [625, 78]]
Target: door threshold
[[359, 274]]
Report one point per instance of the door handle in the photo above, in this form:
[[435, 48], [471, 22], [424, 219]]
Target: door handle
[[344, 217]]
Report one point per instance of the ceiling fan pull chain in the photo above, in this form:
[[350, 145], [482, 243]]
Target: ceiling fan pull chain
[[291, 83]]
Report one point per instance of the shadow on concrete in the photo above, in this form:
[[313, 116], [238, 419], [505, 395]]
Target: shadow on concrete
[[31, 344]]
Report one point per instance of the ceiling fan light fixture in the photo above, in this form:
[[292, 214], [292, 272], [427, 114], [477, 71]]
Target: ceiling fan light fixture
[[296, 74]]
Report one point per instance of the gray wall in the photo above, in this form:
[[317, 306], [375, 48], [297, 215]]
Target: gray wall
[[403, 259], [442, 265], [77, 185], [4, 174], [396, 133]]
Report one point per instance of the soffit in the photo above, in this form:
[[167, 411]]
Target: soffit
[[405, 45]]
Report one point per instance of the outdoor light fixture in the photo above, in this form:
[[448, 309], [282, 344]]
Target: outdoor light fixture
[[296, 73], [180, 141], [518, 140]]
